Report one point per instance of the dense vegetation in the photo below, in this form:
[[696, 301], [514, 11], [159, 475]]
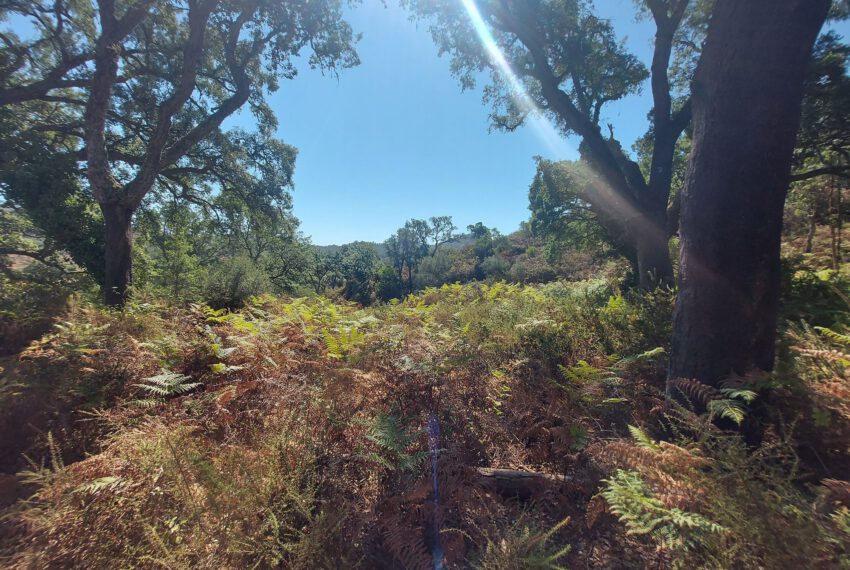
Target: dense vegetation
[[652, 371], [294, 432]]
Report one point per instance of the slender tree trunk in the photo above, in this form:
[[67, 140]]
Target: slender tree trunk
[[119, 253], [839, 223], [746, 107], [813, 226], [833, 223]]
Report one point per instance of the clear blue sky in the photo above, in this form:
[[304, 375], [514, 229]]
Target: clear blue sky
[[395, 138]]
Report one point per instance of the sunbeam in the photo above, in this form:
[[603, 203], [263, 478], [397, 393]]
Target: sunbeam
[[542, 127]]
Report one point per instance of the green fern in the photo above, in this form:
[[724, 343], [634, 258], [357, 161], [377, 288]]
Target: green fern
[[394, 439], [344, 342], [630, 499], [733, 406], [112, 483], [647, 356], [583, 373], [163, 386], [524, 545], [642, 439], [834, 336]]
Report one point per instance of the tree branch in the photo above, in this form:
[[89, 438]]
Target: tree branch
[[840, 171]]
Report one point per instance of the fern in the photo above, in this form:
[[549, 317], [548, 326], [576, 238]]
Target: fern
[[835, 337], [727, 409], [631, 500], [523, 545], [165, 385], [747, 396], [583, 373], [642, 439], [112, 484], [394, 439], [694, 390], [342, 344], [647, 356], [732, 407]]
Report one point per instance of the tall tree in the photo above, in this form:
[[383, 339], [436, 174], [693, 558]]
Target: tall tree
[[407, 247], [441, 231], [145, 86], [559, 58], [359, 263], [747, 94]]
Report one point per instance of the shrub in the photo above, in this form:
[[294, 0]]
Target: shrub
[[232, 282]]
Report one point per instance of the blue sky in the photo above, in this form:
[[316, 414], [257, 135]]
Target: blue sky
[[396, 138]]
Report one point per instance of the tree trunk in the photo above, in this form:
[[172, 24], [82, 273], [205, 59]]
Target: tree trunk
[[746, 107], [833, 223], [813, 226], [839, 225], [653, 253], [638, 230], [119, 253]]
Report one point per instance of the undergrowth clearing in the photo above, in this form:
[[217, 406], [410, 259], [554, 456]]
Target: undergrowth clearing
[[292, 433]]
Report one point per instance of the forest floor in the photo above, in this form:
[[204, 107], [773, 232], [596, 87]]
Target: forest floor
[[311, 433]]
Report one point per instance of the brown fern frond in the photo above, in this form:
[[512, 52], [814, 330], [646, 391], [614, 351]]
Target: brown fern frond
[[828, 355], [695, 390], [839, 491], [407, 547], [595, 508]]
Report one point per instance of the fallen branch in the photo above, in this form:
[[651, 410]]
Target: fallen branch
[[516, 483]]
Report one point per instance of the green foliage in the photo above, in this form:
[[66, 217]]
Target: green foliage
[[822, 140], [580, 47], [643, 514], [311, 449], [165, 385], [47, 93], [833, 336], [395, 439], [561, 213], [358, 264], [643, 440], [822, 298], [45, 183], [108, 484], [344, 342], [524, 546], [232, 282]]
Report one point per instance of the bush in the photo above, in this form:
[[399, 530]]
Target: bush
[[230, 284]]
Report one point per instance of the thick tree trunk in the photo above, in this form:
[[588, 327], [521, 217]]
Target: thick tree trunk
[[119, 253], [746, 106]]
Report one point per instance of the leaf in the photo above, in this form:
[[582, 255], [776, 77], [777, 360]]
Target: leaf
[[728, 409], [642, 439]]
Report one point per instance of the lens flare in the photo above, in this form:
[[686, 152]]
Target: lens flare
[[542, 127]]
